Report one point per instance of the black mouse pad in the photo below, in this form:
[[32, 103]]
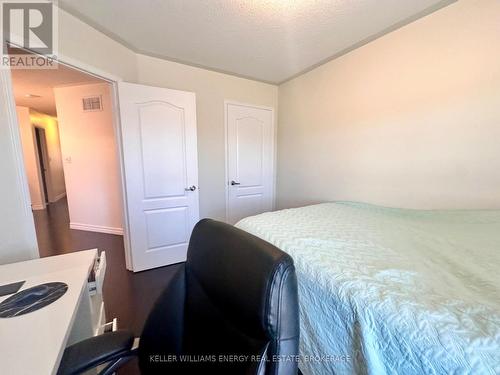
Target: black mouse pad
[[32, 299]]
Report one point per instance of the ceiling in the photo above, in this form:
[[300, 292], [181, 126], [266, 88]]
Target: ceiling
[[267, 40], [41, 82]]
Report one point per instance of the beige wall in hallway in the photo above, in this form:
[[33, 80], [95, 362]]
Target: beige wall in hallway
[[57, 189], [411, 119], [27, 119], [90, 159]]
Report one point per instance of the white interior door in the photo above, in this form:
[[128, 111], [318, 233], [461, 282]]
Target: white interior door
[[250, 160], [160, 160]]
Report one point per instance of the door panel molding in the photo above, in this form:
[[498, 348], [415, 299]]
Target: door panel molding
[[168, 146]]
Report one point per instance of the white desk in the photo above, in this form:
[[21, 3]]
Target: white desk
[[34, 343]]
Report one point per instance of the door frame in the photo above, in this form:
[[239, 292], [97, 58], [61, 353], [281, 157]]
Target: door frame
[[226, 151], [43, 152], [15, 134]]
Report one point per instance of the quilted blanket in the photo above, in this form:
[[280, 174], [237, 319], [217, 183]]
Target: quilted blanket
[[392, 291]]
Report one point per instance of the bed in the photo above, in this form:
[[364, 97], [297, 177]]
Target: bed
[[392, 291]]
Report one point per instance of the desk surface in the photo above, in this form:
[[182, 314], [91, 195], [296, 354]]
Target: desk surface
[[34, 343]]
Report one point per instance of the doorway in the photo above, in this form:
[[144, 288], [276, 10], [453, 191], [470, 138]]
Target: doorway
[[43, 161], [71, 161]]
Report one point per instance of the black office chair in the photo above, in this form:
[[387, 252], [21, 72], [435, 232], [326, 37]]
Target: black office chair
[[232, 309]]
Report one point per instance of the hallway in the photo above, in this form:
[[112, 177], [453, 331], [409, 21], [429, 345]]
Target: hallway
[[128, 296]]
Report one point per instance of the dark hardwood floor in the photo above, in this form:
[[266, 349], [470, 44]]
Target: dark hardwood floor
[[128, 296]]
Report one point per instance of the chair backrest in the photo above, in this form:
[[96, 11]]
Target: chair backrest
[[233, 309]]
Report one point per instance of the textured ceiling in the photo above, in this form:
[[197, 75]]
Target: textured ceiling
[[41, 82], [268, 40]]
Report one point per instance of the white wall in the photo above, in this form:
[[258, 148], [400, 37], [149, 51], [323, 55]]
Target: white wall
[[211, 90], [29, 156], [411, 119], [55, 185], [91, 166], [84, 46], [17, 230]]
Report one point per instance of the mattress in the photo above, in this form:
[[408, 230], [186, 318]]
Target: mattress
[[392, 291]]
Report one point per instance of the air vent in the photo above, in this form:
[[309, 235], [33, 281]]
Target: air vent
[[92, 103]]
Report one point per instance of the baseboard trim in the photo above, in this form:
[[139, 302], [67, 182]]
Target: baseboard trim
[[58, 197], [38, 206], [96, 228]]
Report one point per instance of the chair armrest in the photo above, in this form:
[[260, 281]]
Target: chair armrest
[[89, 353]]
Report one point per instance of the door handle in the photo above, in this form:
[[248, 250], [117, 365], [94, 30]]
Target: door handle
[[191, 188], [235, 183]]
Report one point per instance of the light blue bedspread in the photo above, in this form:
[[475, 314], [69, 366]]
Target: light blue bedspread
[[392, 291]]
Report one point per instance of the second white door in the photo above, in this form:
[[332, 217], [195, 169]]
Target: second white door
[[250, 160]]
